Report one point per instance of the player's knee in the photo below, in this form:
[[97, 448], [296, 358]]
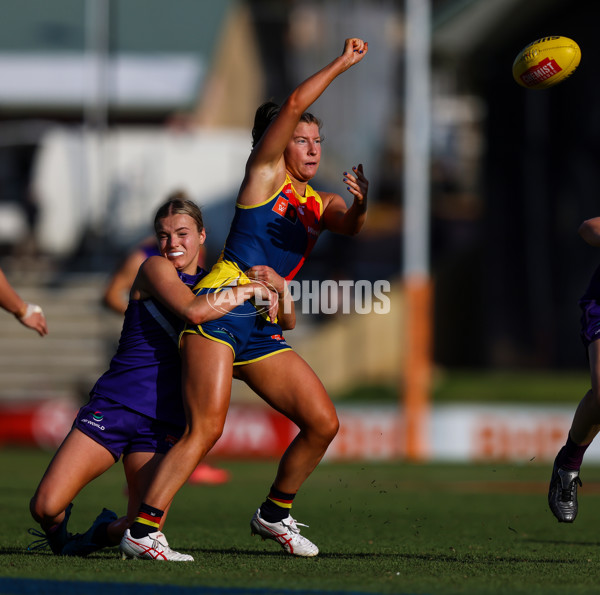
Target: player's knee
[[43, 509], [203, 436], [212, 435], [594, 396], [327, 427], [332, 427], [34, 510]]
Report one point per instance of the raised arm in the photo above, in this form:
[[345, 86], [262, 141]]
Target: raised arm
[[265, 167]]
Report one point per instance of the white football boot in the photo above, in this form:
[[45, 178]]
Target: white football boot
[[286, 533], [152, 547]]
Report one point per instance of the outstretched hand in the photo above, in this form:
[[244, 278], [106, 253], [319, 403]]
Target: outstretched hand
[[358, 185], [34, 318]]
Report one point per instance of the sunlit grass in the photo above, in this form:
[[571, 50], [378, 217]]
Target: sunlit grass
[[381, 527]]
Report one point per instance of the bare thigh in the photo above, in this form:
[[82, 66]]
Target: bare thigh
[[287, 383], [78, 461]]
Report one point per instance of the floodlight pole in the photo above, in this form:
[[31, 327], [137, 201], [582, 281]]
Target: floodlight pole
[[95, 117], [415, 394]]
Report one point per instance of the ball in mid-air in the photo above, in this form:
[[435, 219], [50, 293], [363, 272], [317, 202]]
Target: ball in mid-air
[[546, 62]]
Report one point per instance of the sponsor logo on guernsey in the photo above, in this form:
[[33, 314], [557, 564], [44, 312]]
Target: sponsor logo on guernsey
[[538, 73], [98, 416], [280, 206], [286, 210]]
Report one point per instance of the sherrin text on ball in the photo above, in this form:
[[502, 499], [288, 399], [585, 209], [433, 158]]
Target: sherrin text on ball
[[546, 62]]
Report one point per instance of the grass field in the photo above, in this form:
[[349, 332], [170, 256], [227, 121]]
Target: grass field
[[381, 528], [542, 387]]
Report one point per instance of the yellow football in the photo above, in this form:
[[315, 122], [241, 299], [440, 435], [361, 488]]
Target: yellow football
[[546, 62]]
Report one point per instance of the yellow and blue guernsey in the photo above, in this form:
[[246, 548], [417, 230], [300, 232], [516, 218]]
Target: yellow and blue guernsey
[[280, 233]]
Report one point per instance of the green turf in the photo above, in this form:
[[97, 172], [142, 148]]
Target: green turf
[[381, 528], [484, 386]]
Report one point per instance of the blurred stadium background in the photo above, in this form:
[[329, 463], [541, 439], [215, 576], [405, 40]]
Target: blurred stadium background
[[106, 106]]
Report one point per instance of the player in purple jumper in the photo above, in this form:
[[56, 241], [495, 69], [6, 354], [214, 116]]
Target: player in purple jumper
[[562, 494], [135, 409]]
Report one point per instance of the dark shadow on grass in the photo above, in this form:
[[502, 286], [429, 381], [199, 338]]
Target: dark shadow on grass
[[445, 558], [432, 557], [11, 551], [279, 553], [236, 552], [561, 542]]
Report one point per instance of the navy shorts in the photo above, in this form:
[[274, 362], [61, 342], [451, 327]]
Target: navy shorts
[[590, 321], [122, 431], [250, 335]]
